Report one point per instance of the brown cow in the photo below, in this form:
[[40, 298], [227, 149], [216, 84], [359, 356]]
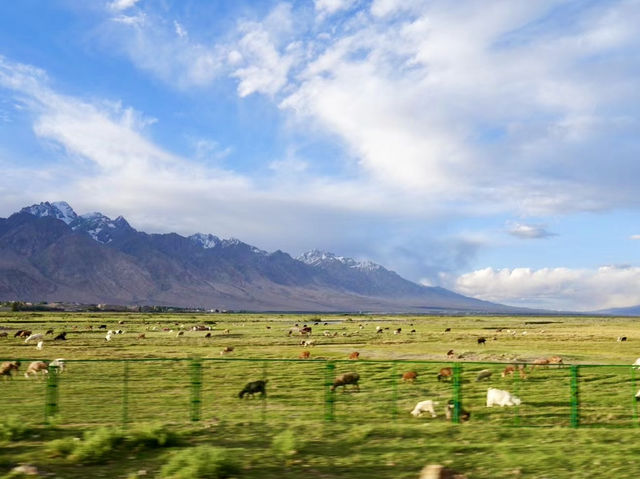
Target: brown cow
[[410, 376], [304, 355], [354, 355], [7, 367], [445, 373]]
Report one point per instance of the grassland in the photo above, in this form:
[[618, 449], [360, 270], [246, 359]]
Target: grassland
[[372, 434]]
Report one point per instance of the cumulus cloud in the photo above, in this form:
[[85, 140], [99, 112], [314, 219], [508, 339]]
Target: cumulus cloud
[[557, 288], [329, 7], [635, 237], [529, 231]]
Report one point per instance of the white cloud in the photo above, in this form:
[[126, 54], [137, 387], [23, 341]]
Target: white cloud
[[122, 4], [529, 231], [329, 7], [558, 288], [180, 30], [635, 237]]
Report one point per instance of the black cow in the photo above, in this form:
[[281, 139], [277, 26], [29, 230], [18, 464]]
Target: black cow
[[61, 337], [254, 387]]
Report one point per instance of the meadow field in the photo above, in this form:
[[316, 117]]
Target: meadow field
[[175, 390]]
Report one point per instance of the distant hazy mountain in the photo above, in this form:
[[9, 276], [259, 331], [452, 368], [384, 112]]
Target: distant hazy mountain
[[50, 253], [628, 311]]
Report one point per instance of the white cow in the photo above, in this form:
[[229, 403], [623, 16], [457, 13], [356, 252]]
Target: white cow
[[424, 406], [501, 398], [34, 337]]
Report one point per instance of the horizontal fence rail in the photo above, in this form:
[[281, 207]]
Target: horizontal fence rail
[[125, 391]]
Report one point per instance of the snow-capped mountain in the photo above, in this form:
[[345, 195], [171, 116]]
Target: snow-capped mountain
[[321, 259], [58, 209], [49, 253]]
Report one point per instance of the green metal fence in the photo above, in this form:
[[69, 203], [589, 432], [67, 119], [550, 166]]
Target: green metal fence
[[195, 389]]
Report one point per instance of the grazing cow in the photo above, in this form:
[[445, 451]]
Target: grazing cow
[[424, 406], [482, 341], [61, 337], [23, 333], [102, 326], [305, 329], [4, 334], [49, 331], [226, 350], [354, 355], [34, 337], [464, 415], [556, 360], [309, 342], [344, 379], [7, 367], [540, 362], [397, 331], [304, 355], [254, 387], [445, 373], [142, 336], [622, 338], [36, 366], [450, 353], [447, 330], [484, 374], [208, 335], [180, 333], [410, 376], [501, 398], [58, 364], [225, 331], [412, 331]]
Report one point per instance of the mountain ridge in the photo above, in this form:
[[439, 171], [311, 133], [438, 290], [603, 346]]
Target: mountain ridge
[[48, 252]]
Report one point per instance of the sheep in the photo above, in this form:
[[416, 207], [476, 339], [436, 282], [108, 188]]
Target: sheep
[[501, 398], [637, 363], [556, 360], [36, 366], [447, 330], [7, 367], [344, 379], [49, 331], [540, 362], [61, 337], [464, 415], [354, 355], [410, 376], [307, 343], [445, 373], [225, 331], [304, 355], [484, 374], [397, 331], [509, 370], [327, 333], [254, 387], [450, 353], [108, 336], [412, 331], [424, 406], [622, 338], [102, 326], [34, 337], [482, 341], [208, 335], [226, 350], [378, 329], [40, 345], [58, 364], [180, 333]]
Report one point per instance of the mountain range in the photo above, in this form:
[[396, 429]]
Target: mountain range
[[50, 253]]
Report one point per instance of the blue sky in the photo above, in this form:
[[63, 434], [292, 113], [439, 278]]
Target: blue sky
[[487, 147]]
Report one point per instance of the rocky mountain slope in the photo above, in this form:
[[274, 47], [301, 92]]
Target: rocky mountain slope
[[50, 253]]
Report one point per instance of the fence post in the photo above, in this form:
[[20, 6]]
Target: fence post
[[196, 388], [634, 399], [125, 394], [51, 394], [329, 397], [457, 393], [575, 399]]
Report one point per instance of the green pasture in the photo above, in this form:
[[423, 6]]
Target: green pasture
[[172, 379]]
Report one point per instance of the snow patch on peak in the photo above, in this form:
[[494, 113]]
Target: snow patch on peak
[[58, 209], [320, 258], [207, 241]]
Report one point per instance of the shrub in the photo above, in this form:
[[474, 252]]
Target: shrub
[[151, 436], [61, 447], [285, 444], [96, 445], [201, 462], [12, 429]]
